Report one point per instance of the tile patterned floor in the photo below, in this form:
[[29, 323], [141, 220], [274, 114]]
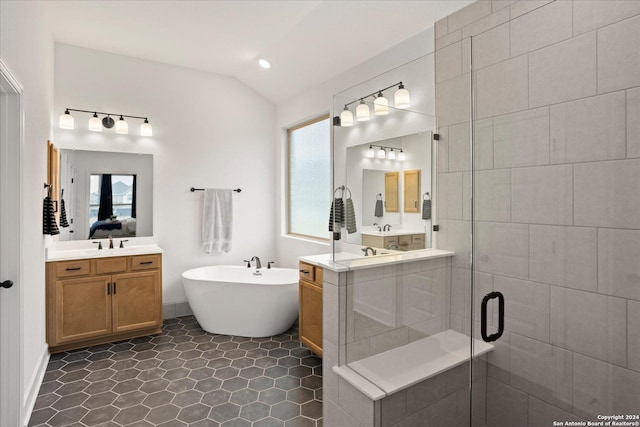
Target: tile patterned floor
[[184, 377]]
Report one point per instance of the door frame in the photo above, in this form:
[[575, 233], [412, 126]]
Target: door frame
[[11, 229]]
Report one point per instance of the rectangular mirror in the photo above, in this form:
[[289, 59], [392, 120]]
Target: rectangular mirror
[[106, 194], [390, 192]]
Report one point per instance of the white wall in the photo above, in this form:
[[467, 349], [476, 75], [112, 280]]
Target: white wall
[[317, 101], [208, 131], [27, 48]]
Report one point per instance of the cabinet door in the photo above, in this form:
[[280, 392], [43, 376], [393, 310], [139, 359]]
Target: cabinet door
[[391, 192], [137, 301], [83, 308], [411, 190], [311, 316]]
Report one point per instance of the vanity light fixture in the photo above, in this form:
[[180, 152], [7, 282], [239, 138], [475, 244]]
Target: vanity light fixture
[[346, 117], [66, 120], [145, 128], [122, 127], [96, 125], [392, 154], [362, 112], [381, 153], [381, 105], [370, 153], [401, 99]]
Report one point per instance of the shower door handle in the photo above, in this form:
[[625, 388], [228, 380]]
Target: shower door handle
[[483, 320]]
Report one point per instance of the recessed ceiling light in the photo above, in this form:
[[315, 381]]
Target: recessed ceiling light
[[264, 63]]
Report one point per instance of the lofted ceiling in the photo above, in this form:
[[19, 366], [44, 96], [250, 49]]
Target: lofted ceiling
[[307, 42]]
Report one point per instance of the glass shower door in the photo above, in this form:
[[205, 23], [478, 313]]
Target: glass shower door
[[555, 211]]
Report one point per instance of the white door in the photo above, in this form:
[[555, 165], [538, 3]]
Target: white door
[[11, 389]]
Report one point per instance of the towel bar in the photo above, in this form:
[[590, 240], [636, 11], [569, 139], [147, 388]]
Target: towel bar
[[237, 190]]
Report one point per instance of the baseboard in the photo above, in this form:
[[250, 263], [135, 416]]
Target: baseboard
[[32, 389], [176, 309]]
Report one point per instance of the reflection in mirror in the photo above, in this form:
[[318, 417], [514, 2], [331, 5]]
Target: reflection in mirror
[[396, 185], [106, 194]]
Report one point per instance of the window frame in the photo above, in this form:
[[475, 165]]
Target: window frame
[[306, 123]]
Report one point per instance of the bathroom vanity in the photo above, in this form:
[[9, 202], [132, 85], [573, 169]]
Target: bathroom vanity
[[386, 239], [94, 297]]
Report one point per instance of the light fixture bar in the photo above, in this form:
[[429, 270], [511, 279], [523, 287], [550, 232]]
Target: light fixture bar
[[366, 96], [107, 114]]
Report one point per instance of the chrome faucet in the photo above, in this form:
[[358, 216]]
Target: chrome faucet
[[258, 263], [387, 227], [366, 251]]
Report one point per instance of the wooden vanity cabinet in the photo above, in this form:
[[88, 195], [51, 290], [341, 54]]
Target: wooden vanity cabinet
[[412, 190], [404, 242], [310, 316], [100, 300]]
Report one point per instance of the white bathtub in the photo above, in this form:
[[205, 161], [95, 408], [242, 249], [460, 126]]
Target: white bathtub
[[231, 300]]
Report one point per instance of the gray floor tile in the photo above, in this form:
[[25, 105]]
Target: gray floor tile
[[184, 377]]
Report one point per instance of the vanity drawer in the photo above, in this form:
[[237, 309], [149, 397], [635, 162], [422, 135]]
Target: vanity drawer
[[145, 262], [74, 268], [307, 272], [111, 265], [405, 241], [417, 238]]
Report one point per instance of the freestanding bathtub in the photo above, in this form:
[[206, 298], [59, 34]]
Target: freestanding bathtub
[[232, 300]]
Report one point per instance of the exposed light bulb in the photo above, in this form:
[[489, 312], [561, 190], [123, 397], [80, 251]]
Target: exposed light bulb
[[392, 155], [382, 153], [381, 105], [66, 120], [401, 156], [122, 126], [145, 128], [362, 112], [346, 117], [95, 124], [402, 98], [370, 153]]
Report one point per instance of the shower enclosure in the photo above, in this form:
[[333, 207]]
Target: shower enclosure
[[533, 176]]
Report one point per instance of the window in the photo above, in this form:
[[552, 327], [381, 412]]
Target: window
[[309, 178], [122, 188]]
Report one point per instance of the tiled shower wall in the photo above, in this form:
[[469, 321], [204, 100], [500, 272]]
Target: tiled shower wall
[[557, 191]]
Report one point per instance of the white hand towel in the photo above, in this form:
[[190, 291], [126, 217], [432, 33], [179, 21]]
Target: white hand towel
[[217, 220]]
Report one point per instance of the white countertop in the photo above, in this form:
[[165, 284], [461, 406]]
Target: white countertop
[[82, 249], [392, 233], [347, 261]]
